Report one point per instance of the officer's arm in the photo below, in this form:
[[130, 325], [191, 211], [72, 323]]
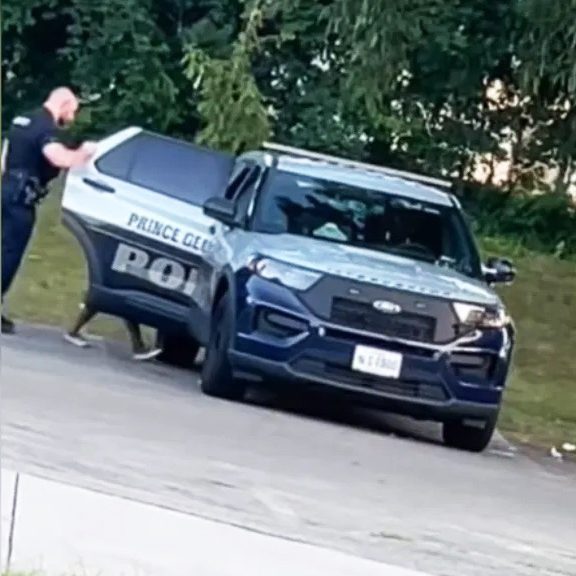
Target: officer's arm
[[62, 157]]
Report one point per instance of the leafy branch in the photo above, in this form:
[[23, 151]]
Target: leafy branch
[[231, 106]]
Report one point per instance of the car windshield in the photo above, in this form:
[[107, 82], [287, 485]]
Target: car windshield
[[371, 219]]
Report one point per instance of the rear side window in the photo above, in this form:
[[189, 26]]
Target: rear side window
[[118, 161], [170, 167]]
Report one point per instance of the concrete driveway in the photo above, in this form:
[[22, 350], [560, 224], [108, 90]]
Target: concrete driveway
[[378, 487]]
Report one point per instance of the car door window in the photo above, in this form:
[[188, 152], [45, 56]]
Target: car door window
[[178, 169], [118, 161]]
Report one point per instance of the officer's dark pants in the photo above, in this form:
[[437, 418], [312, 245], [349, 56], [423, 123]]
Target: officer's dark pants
[[17, 226]]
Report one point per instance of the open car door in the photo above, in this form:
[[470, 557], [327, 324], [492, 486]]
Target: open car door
[[136, 210]]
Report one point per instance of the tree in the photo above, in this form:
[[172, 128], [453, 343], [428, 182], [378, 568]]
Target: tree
[[422, 69], [547, 70], [30, 31], [230, 104], [124, 56], [398, 81]]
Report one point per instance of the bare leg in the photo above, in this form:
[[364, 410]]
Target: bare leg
[[139, 350], [86, 314], [135, 334], [74, 335]]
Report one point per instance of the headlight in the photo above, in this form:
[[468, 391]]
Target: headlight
[[286, 274], [481, 317]]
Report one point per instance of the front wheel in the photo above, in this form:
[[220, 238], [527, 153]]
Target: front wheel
[[217, 376], [472, 438], [178, 349]]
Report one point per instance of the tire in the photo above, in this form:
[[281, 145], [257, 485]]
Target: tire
[[462, 436], [217, 376], [178, 350]]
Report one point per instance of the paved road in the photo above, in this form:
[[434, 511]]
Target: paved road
[[379, 488]]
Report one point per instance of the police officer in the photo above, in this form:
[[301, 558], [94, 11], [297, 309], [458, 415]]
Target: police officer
[[33, 156]]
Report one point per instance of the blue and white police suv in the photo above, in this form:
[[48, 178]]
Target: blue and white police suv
[[298, 269]]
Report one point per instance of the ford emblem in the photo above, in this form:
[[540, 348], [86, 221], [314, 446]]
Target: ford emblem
[[387, 307]]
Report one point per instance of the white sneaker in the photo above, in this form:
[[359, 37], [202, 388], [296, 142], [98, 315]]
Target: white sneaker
[[77, 340], [147, 354]]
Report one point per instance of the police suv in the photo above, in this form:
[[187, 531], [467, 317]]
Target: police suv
[[293, 268]]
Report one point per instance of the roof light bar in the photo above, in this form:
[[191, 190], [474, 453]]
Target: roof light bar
[[301, 153]]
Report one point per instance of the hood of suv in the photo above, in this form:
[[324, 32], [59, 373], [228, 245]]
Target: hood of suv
[[378, 268]]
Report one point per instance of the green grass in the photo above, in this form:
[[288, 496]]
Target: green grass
[[53, 278], [540, 406]]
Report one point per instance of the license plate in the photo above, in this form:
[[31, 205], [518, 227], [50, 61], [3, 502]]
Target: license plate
[[377, 362]]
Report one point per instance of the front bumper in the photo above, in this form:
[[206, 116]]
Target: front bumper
[[279, 341]]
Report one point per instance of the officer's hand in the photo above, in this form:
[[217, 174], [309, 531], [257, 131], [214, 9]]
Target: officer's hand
[[88, 149]]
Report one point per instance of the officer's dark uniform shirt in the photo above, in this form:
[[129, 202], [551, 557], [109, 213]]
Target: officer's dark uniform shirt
[[28, 135]]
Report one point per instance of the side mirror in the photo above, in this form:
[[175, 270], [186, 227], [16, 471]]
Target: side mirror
[[221, 209], [499, 271]]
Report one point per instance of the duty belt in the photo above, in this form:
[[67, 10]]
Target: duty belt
[[22, 188]]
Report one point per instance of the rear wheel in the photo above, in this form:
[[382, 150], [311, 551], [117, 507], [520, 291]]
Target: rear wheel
[[178, 349], [468, 436], [217, 376]]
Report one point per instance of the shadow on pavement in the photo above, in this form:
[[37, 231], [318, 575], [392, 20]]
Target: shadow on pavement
[[305, 405], [340, 412]]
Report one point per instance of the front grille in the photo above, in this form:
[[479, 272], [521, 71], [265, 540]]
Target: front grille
[[402, 388], [363, 316]]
